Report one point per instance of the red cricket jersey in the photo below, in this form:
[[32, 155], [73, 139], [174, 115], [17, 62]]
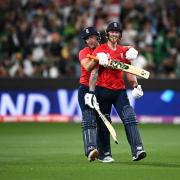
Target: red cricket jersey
[[111, 78], [85, 75]]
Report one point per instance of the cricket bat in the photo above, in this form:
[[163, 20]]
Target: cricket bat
[[125, 67], [107, 123]]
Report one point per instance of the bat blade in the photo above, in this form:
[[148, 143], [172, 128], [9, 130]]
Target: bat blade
[[109, 126], [125, 67], [129, 68]]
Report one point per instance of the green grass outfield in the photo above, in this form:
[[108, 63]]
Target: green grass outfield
[[53, 151]]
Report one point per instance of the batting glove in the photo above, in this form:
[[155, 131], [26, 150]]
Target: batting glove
[[103, 59], [131, 54], [137, 92], [90, 100]]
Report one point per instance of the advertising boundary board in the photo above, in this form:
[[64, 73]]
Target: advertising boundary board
[[20, 101]]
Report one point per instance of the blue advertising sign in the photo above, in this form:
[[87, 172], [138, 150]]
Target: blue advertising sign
[[64, 102], [164, 103]]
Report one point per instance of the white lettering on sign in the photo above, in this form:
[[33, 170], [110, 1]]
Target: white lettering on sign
[[8, 106], [36, 98], [66, 103], [68, 107], [19, 106]]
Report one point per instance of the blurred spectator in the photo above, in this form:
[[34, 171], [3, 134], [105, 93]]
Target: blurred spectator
[[130, 34], [40, 38]]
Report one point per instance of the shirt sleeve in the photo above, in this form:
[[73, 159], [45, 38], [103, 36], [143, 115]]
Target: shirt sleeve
[[82, 54]]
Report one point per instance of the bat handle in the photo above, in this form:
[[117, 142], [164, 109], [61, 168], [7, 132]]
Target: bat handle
[[92, 57], [96, 58]]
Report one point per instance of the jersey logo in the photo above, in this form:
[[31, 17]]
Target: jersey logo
[[121, 55], [115, 24], [87, 31]]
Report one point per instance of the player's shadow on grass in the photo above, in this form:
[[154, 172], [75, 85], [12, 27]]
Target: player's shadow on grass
[[153, 164]]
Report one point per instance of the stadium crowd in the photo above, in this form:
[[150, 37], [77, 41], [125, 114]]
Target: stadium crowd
[[40, 38]]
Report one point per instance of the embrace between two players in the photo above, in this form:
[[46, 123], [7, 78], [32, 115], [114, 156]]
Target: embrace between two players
[[102, 86]]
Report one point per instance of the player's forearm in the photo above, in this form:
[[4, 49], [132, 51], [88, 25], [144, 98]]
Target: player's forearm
[[132, 80], [93, 79], [91, 65], [88, 64]]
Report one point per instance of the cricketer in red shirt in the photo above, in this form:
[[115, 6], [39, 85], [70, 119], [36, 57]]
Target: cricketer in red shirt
[[110, 90], [107, 77], [89, 126]]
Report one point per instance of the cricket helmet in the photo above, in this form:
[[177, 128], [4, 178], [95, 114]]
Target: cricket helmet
[[88, 32], [114, 26]]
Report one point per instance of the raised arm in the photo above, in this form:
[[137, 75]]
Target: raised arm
[[88, 64]]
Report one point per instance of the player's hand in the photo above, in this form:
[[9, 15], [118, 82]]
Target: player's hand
[[103, 59], [131, 54], [137, 92], [90, 100]]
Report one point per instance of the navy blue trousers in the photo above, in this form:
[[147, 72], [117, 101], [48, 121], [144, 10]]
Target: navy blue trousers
[[106, 98], [119, 99], [89, 125], [81, 93]]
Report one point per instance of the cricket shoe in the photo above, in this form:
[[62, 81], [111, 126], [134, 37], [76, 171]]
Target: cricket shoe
[[107, 159], [140, 155], [93, 155]]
